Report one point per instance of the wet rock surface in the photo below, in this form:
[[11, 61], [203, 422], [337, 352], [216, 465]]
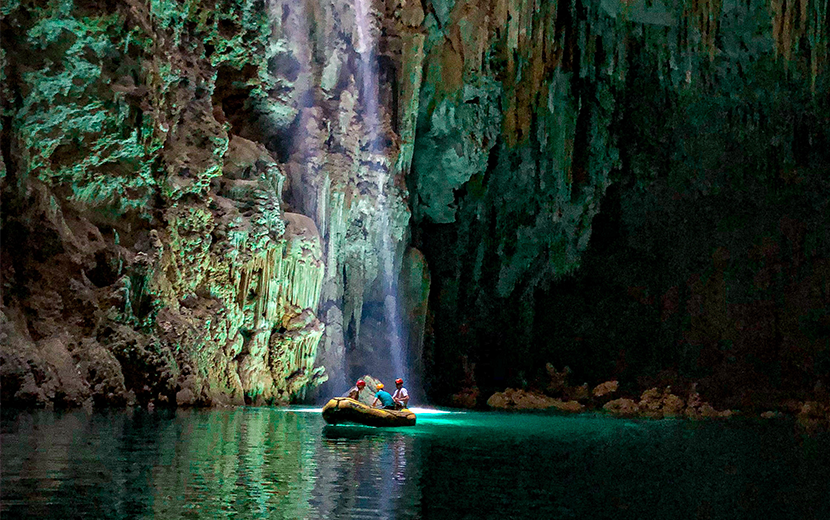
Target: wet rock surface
[[654, 403], [184, 206], [211, 204]]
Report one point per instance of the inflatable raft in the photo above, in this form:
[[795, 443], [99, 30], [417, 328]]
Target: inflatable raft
[[342, 409]]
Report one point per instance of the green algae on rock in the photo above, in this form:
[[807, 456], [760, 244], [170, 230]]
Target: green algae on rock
[[197, 186]]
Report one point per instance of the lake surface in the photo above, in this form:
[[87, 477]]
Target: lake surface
[[285, 463]]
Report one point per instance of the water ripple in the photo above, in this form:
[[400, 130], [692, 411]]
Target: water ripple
[[286, 464]]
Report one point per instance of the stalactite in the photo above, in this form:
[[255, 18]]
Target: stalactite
[[815, 18], [411, 76], [792, 20], [323, 202], [273, 289], [532, 52], [337, 232]]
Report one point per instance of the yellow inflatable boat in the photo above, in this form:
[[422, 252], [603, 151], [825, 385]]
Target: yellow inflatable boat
[[342, 409]]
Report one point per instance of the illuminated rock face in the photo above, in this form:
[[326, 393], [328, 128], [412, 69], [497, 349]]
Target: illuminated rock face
[[206, 207], [218, 306], [200, 200]]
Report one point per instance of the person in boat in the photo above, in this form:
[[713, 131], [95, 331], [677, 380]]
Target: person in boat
[[354, 393], [384, 397], [401, 396]]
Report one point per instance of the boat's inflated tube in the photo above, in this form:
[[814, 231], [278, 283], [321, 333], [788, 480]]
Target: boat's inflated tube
[[343, 409]]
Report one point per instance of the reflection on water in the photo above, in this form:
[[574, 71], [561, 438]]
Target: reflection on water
[[365, 474], [246, 463], [285, 463]]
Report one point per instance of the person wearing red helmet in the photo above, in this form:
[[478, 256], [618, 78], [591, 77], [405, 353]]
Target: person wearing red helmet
[[354, 393], [401, 396]]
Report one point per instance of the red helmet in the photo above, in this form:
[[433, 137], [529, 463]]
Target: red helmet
[[399, 381], [361, 382]]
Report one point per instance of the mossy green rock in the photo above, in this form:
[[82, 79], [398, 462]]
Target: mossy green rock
[[209, 201]]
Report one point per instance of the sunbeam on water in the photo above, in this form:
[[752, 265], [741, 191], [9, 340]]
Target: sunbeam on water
[[304, 410], [432, 411]]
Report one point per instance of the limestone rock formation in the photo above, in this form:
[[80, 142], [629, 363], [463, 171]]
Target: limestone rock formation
[[218, 203], [658, 404], [515, 399], [622, 407], [569, 214], [201, 190], [606, 388]]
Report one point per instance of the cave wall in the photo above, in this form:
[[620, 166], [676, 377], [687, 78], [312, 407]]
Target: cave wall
[[193, 191], [632, 188], [638, 193]]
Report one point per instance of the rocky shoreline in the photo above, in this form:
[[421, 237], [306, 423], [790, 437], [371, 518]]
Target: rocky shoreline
[[656, 403]]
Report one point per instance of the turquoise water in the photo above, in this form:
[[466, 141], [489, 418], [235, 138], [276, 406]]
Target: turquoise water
[[285, 463]]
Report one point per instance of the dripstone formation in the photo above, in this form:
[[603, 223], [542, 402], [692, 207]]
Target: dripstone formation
[[229, 202]]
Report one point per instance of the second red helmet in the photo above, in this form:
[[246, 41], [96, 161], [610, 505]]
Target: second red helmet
[[399, 381]]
